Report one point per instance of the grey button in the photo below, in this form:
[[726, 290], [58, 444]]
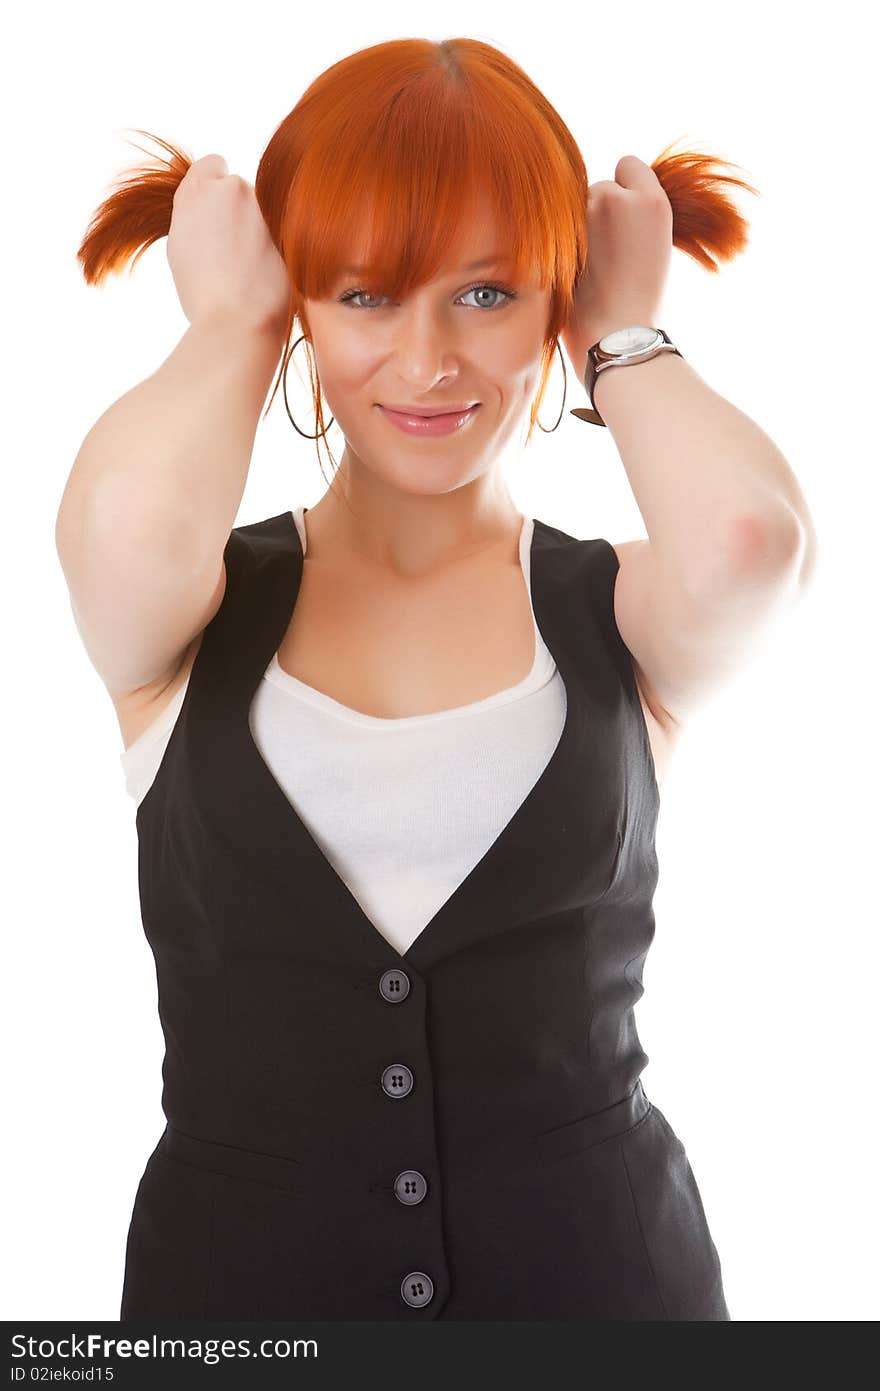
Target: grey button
[[417, 1289], [410, 1187], [397, 1080], [394, 986]]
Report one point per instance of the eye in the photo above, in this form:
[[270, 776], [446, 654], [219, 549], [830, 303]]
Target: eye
[[495, 290], [351, 295]]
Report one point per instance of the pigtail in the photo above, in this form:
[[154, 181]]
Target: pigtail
[[134, 215], [424, 124], [706, 224]]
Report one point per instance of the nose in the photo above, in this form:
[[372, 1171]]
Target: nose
[[428, 348]]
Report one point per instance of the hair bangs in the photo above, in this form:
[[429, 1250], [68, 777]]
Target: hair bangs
[[396, 191], [389, 160]]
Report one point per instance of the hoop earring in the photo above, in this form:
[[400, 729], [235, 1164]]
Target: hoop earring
[[564, 393], [332, 418], [286, 405]]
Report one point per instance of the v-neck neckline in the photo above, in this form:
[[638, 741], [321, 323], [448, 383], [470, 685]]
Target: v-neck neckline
[[418, 954]]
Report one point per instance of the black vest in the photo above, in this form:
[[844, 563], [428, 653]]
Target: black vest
[[457, 1132]]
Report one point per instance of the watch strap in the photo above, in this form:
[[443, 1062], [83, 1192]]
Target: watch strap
[[589, 413]]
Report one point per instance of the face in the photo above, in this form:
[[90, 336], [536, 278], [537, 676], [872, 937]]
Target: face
[[471, 336]]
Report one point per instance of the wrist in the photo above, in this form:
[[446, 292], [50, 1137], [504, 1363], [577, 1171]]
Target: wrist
[[602, 325], [619, 372], [240, 324]]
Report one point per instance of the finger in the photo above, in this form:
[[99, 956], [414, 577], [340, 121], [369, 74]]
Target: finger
[[632, 172], [211, 166], [600, 186]]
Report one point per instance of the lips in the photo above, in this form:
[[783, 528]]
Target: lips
[[446, 422], [429, 411]]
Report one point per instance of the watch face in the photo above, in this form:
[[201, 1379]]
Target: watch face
[[629, 340]]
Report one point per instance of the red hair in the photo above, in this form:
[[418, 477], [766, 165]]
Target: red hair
[[400, 139]]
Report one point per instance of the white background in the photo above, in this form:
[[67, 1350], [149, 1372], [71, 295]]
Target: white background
[[760, 1001]]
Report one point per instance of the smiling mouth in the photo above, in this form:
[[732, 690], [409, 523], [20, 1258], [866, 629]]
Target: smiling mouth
[[427, 413], [440, 425]]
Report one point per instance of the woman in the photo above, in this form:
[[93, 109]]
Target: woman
[[398, 754]]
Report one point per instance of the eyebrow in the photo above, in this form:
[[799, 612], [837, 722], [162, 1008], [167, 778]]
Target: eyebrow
[[497, 258]]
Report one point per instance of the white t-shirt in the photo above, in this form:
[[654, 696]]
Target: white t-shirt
[[441, 787]]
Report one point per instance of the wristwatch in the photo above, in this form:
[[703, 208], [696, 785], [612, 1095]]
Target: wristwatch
[[621, 348]]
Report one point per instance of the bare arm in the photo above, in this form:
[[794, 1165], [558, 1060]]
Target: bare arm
[[153, 495], [156, 486]]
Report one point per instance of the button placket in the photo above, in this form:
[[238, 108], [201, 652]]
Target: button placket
[[410, 1186]]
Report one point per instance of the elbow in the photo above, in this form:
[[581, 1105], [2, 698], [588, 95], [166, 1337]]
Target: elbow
[[775, 548]]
